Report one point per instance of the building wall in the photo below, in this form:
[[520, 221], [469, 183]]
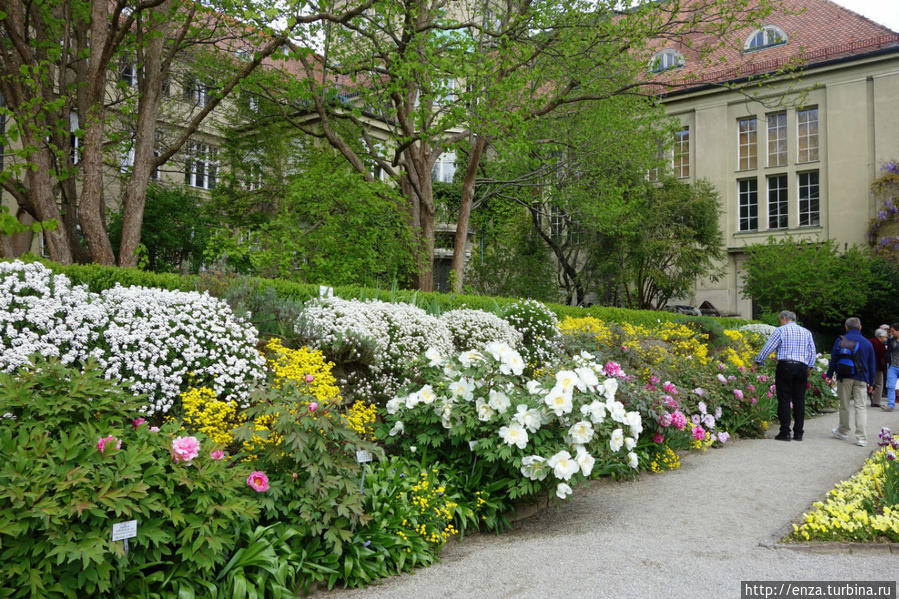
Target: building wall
[[858, 131]]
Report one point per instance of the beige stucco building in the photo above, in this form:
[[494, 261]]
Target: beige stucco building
[[790, 155]]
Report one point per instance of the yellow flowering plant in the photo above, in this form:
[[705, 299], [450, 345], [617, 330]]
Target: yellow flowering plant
[[204, 413]]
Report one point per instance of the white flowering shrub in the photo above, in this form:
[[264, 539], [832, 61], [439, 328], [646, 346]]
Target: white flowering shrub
[[535, 434], [758, 328], [375, 344], [43, 313], [163, 340], [160, 341], [473, 329], [539, 327]]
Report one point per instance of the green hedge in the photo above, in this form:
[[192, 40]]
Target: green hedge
[[98, 278]]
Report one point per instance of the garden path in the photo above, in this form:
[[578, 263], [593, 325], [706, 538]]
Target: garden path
[[693, 532]]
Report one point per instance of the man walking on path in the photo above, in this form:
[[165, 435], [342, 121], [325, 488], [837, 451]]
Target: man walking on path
[[794, 351], [852, 359], [892, 367], [878, 342]]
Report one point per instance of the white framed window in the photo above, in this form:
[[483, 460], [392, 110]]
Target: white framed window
[[445, 168], [127, 161], [778, 203], [748, 194], [446, 92], [777, 139], [807, 134], [74, 139], [765, 37], [747, 142], [196, 91], [682, 153], [665, 60], [201, 165], [809, 199], [128, 74]]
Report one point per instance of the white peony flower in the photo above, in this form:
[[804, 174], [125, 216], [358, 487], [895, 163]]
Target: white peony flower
[[567, 380], [393, 405], [581, 432], [397, 429], [434, 357], [485, 412], [596, 410], [533, 467], [564, 467], [610, 387], [426, 395], [472, 356], [499, 401], [558, 401], [463, 388], [514, 434], [563, 491], [629, 443], [528, 418], [635, 421], [587, 380], [585, 461], [617, 411], [617, 439], [513, 363], [632, 460], [534, 388]]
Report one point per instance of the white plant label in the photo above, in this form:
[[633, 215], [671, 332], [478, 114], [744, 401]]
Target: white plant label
[[124, 530], [363, 456]]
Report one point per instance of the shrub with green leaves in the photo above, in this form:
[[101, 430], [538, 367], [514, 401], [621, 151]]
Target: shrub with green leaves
[[539, 328], [73, 462]]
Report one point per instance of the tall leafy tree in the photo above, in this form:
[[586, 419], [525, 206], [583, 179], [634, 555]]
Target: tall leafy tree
[[110, 65]]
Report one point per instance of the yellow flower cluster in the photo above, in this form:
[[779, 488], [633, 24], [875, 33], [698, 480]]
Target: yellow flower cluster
[[205, 414], [588, 325], [299, 365], [742, 347], [849, 512], [361, 418], [703, 443], [434, 509], [666, 460]]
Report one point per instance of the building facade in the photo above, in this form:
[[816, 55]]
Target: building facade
[[791, 153]]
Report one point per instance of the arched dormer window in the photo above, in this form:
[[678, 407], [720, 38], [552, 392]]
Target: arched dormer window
[[766, 37], [665, 60]]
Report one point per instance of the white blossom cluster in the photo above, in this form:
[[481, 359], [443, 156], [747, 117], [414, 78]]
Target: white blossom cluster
[[757, 327], [387, 337], [539, 328], [473, 329], [577, 402], [158, 340]]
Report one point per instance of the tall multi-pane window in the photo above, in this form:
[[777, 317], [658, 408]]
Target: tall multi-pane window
[[809, 199], [777, 139], [201, 166], [682, 153], [748, 193], [807, 139], [445, 168], [777, 202], [747, 144]]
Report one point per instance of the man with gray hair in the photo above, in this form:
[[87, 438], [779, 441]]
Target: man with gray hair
[[853, 362], [794, 352], [879, 343]]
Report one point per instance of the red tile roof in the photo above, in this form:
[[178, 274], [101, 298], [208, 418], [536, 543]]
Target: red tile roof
[[817, 31]]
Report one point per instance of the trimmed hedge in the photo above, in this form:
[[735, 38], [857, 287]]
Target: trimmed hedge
[[98, 278]]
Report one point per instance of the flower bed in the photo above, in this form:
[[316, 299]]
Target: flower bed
[[864, 508]]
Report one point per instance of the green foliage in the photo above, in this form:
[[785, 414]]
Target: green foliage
[[309, 455], [175, 230], [818, 281], [60, 495]]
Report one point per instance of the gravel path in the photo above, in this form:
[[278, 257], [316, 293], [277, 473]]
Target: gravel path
[[694, 532]]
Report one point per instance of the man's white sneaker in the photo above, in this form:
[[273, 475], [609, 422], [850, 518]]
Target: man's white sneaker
[[838, 435], [861, 443]]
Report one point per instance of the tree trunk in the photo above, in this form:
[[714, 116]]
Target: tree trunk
[[150, 85], [461, 242], [40, 191]]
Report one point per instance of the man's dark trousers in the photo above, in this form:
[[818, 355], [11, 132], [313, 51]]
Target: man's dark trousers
[[791, 379]]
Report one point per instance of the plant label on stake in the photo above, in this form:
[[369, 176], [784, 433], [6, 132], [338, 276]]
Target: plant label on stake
[[363, 457], [122, 531], [471, 446]]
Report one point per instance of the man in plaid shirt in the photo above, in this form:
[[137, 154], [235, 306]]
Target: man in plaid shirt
[[794, 352]]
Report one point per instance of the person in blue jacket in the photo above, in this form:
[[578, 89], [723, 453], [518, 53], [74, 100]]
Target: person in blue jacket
[[852, 361]]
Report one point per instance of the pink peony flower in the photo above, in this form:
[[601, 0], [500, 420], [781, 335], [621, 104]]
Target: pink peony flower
[[718, 412], [309, 378], [258, 481], [669, 388], [698, 433], [763, 378], [695, 418], [154, 429], [665, 420], [313, 406], [218, 454], [741, 368], [137, 422], [709, 421], [670, 401], [658, 438], [731, 378], [722, 379], [614, 369], [720, 366], [184, 449], [702, 407], [751, 387], [723, 437], [654, 380], [104, 441], [699, 391], [678, 420], [738, 393]]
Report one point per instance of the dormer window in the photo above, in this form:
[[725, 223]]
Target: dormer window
[[766, 37], [665, 60]]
